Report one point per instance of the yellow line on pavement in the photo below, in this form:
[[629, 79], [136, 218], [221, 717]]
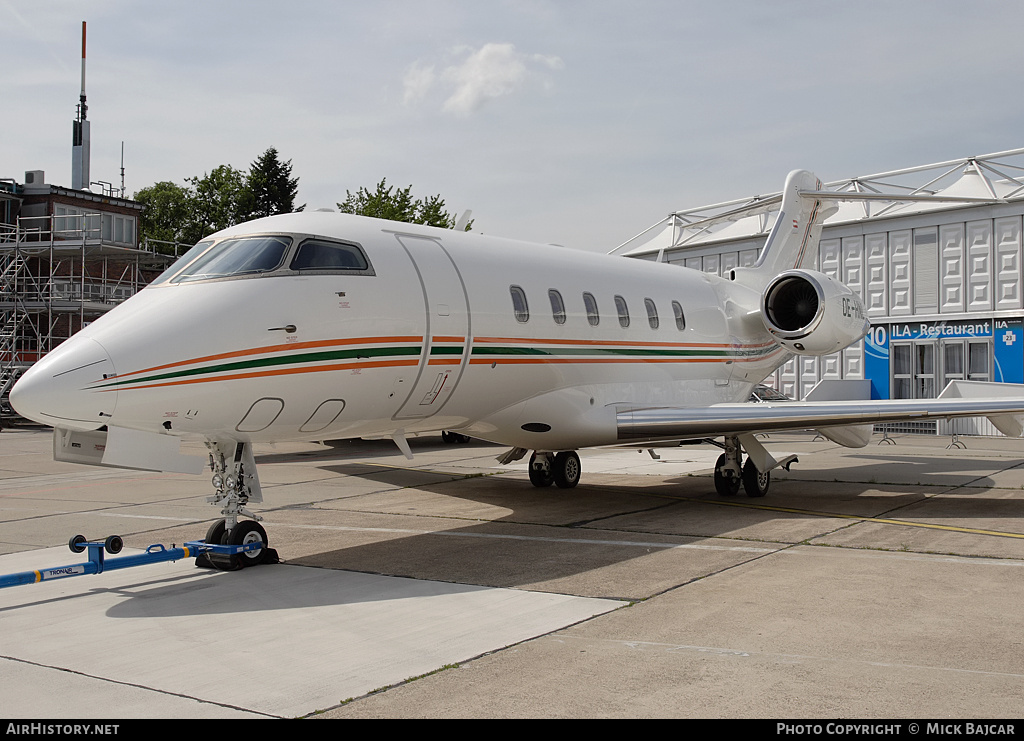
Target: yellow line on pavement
[[881, 520]]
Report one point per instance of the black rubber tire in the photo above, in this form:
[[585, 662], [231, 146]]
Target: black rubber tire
[[76, 543], [567, 469], [726, 486], [113, 544], [755, 483], [246, 531], [540, 477], [215, 535]]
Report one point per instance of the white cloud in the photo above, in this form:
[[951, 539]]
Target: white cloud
[[492, 71], [417, 83]]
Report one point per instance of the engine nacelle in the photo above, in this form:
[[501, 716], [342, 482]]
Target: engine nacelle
[[812, 314]]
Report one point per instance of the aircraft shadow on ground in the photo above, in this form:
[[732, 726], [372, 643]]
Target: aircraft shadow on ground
[[550, 535]]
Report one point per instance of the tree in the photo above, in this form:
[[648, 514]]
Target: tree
[[166, 213], [397, 204], [221, 198], [218, 200], [272, 187]]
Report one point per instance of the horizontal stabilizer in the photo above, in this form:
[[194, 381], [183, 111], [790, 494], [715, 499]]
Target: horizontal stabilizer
[[1011, 425], [847, 389]]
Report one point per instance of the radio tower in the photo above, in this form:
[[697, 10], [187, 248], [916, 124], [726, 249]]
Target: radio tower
[[80, 136]]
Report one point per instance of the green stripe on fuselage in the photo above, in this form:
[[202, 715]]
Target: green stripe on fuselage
[[268, 362]]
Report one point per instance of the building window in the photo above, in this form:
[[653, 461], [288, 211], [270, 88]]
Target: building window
[[965, 360], [590, 303], [557, 306], [652, 313], [519, 305], [623, 311]]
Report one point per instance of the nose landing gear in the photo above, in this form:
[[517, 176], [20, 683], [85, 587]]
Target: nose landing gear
[[236, 484]]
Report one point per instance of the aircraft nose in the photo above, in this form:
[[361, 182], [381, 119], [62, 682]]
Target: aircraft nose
[[66, 389]]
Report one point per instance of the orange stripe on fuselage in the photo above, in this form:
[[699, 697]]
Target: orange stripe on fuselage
[[277, 372], [273, 349], [610, 343]]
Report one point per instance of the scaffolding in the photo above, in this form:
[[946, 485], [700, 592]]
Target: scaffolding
[[58, 274]]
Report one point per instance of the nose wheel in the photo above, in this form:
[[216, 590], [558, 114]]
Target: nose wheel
[[236, 484]]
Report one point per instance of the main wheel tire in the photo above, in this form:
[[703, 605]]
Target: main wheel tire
[[540, 476], [726, 486], [245, 532], [755, 483], [567, 469]]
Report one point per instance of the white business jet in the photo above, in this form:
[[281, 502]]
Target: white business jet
[[319, 326]]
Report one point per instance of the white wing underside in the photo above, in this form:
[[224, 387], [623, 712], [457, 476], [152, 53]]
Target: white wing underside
[[1003, 404]]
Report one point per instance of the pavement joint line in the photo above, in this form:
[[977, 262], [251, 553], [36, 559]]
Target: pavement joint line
[[741, 653], [138, 686], [951, 489], [861, 518], [533, 538]]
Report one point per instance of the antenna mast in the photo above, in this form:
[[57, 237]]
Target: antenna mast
[[81, 140]]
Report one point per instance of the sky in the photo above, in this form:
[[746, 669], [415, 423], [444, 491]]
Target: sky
[[571, 122]]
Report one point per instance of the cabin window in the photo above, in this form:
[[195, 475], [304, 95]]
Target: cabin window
[[652, 313], [233, 257], [318, 255], [519, 305], [590, 303], [623, 311], [557, 306], [677, 309]]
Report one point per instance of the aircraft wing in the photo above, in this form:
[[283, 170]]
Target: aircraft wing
[[1003, 404]]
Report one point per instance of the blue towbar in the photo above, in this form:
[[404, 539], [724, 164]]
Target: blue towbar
[[97, 564]]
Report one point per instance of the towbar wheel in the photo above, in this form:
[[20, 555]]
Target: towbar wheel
[[77, 543]]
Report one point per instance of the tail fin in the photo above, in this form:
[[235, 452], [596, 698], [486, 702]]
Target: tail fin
[[794, 238]]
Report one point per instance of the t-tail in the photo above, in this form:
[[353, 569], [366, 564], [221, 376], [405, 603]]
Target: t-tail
[[806, 311], [794, 238]]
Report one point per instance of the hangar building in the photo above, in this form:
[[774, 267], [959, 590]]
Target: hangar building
[[941, 280]]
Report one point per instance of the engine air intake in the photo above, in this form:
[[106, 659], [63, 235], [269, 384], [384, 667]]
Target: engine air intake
[[792, 303]]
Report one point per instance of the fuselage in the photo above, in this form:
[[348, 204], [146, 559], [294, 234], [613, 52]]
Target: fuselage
[[356, 327]]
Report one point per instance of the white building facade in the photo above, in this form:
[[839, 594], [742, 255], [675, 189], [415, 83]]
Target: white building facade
[[941, 279]]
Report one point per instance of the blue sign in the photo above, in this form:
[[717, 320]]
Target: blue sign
[[1007, 337], [1008, 350], [876, 361]]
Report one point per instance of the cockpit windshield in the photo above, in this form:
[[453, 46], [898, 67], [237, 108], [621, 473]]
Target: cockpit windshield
[[254, 256], [231, 257]]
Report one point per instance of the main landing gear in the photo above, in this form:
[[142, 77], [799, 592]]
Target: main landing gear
[[236, 484], [731, 472], [561, 469]]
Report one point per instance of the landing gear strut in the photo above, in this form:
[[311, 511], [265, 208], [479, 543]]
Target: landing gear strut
[[236, 484], [728, 469], [730, 474], [562, 469]]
